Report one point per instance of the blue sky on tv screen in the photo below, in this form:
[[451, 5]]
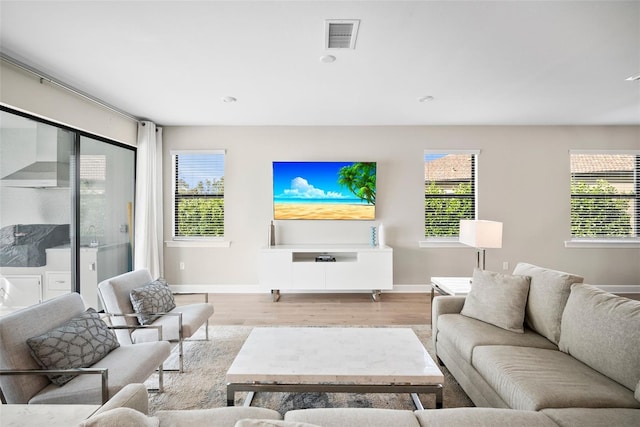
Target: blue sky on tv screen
[[310, 182]]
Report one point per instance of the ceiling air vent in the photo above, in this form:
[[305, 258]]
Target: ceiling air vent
[[341, 33]]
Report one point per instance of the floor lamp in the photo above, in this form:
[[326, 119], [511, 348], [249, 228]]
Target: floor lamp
[[481, 235]]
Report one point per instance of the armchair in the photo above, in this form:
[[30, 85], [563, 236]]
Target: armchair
[[177, 324], [22, 380]]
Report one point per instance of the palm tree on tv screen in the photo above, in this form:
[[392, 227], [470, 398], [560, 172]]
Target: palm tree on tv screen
[[360, 179]]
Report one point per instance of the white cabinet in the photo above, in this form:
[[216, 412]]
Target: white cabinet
[[18, 291], [356, 267], [57, 283]]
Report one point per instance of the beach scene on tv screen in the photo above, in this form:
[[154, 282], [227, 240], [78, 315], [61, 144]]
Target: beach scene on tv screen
[[324, 190]]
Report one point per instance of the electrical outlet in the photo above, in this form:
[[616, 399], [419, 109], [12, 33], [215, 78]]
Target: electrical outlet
[[181, 265], [505, 265]]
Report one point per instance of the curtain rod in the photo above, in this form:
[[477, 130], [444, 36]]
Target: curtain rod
[[44, 77]]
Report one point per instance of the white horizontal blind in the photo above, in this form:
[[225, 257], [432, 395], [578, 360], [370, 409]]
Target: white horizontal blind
[[198, 194], [449, 191], [605, 191]]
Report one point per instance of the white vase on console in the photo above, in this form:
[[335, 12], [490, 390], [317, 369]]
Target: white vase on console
[[381, 242]]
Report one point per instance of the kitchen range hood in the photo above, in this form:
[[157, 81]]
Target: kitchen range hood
[[39, 175], [44, 156]]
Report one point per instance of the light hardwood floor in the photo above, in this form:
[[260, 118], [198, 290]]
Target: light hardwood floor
[[318, 309]]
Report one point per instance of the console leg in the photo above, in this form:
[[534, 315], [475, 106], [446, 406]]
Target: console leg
[[375, 294], [275, 295]]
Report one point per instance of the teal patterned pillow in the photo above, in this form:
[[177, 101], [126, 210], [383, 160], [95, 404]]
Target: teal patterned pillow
[[156, 297], [79, 343]]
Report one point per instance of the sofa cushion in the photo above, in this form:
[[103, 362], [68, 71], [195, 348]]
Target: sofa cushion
[[532, 379], [498, 299], [156, 297], [603, 331], [591, 417], [214, 417], [121, 417], [482, 417], [465, 333], [126, 364], [78, 343], [341, 417], [548, 294], [193, 316], [271, 423]]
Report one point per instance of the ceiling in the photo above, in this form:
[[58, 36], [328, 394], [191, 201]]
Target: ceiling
[[483, 62]]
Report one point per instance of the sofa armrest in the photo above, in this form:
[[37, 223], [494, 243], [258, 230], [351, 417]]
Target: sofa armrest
[[447, 304], [134, 396], [103, 372]]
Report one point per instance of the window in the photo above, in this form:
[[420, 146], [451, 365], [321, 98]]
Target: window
[[449, 192], [198, 194], [605, 195]]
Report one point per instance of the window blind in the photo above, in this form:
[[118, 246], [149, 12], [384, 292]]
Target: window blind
[[198, 194], [449, 192], [605, 190]]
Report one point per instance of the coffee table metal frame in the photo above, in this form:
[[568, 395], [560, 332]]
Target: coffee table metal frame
[[436, 389]]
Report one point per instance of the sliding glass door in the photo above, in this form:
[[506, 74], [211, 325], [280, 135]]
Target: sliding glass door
[[66, 211], [106, 213]]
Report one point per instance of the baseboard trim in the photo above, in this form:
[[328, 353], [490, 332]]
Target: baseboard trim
[[257, 289]]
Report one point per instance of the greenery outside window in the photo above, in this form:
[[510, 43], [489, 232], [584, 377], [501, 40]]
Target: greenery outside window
[[198, 189], [449, 192], [605, 196]]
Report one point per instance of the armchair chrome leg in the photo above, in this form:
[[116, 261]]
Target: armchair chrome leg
[[206, 330], [160, 388], [181, 356]]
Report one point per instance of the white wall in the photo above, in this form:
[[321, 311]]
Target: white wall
[[523, 174], [25, 92], [523, 181]]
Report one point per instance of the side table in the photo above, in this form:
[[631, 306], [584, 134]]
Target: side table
[[450, 286]]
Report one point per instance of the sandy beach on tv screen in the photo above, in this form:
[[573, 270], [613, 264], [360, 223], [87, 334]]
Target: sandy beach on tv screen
[[323, 211]]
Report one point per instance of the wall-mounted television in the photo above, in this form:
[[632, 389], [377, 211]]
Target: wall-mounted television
[[324, 190]]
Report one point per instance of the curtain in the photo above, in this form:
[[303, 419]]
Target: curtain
[[148, 209]]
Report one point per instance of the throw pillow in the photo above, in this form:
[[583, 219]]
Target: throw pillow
[[498, 299], [602, 330], [121, 417], [156, 297], [79, 343], [548, 295]]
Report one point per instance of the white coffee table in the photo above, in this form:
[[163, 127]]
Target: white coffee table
[[334, 360]]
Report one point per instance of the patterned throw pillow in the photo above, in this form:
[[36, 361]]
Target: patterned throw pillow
[[79, 343], [156, 297]]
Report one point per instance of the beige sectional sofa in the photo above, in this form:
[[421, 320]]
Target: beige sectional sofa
[[579, 348], [130, 407], [576, 362]]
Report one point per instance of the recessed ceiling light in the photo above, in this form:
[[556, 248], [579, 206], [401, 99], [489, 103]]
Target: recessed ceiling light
[[327, 59], [633, 78], [427, 98], [228, 99]]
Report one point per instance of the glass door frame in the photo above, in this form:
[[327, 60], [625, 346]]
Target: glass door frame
[[75, 185]]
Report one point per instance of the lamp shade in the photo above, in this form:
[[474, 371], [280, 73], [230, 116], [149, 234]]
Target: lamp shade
[[481, 234]]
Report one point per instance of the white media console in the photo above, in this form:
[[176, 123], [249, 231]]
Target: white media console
[[356, 267]]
